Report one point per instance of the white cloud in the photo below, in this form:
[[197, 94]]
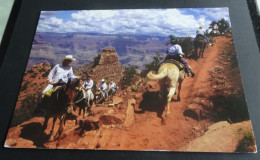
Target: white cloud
[[145, 21]]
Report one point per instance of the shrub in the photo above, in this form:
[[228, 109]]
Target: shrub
[[153, 66], [247, 141], [46, 73], [186, 45], [129, 74], [24, 85], [26, 110]]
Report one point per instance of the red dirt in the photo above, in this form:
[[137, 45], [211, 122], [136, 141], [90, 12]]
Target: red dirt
[[147, 131]]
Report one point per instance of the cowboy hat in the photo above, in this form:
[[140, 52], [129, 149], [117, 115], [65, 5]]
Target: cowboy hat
[[68, 57], [88, 75], [102, 80], [200, 27]]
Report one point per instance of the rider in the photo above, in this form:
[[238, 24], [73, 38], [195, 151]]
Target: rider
[[103, 87], [174, 51], [201, 33], [113, 87], [60, 73], [87, 86]]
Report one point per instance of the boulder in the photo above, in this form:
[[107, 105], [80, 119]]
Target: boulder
[[89, 123], [117, 100], [194, 111], [109, 119], [129, 119], [221, 137]]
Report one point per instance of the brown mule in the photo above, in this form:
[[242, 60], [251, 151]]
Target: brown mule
[[199, 43], [58, 105]]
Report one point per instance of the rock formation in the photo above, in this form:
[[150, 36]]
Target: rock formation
[[106, 66]]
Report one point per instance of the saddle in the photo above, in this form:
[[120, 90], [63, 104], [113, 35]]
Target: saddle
[[173, 61], [199, 38]]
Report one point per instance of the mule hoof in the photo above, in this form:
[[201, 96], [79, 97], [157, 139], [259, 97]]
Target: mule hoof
[[51, 139], [163, 121]]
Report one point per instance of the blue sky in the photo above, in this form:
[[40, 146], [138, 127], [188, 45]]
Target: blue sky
[[180, 22]]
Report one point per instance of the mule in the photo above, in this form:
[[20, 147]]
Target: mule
[[168, 75], [84, 102], [111, 93], [58, 105], [199, 43], [99, 96]]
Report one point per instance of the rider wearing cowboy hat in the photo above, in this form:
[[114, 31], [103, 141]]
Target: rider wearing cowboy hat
[[103, 87], [61, 73], [174, 51], [201, 33], [87, 86]]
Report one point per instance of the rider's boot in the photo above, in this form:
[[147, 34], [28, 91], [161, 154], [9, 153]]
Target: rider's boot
[[191, 73]]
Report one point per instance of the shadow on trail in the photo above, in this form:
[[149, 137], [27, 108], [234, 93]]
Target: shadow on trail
[[34, 132], [151, 103]]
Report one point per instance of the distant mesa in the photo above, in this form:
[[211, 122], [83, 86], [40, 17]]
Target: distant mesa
[[105, 66]]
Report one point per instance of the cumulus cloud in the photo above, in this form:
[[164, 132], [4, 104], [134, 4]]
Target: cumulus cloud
[[181, 22]]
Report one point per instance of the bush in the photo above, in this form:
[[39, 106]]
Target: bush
[[129, 74], [33, 75], [186, 45], [153, 66], [247, 141], [46, 73], [24, 85], [26, 111]]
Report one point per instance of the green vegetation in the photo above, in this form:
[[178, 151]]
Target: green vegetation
[[46, 73], [26, 110], [154, 65], [129, 74], [223, 25], [186, 45], [247, 141], [33, 75], [24, 85]]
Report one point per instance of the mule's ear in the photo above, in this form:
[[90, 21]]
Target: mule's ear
[[77, 83], [69, 82]]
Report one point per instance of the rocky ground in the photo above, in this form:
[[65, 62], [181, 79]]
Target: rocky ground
[[204, 120]]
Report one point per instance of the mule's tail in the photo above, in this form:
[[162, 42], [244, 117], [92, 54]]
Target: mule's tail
[[154, 76]]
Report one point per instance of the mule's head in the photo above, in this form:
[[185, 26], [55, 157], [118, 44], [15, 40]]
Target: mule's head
[[71, 93]]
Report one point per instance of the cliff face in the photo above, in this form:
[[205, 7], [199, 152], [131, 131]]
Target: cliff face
[[106, 66]]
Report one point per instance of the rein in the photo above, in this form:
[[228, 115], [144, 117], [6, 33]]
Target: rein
[[80, 98]]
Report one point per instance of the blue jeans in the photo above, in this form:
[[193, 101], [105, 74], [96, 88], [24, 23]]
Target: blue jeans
[[203, 36]]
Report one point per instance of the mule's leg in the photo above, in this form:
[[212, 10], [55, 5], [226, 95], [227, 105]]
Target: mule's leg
[[80, 110], [53, 124], [51, 132], [85, 110], [162, 90], [62, 123], [169, 97], [46, 119], [179, 92]]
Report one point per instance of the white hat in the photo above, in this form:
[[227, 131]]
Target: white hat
[[102, 80], [69, 57]]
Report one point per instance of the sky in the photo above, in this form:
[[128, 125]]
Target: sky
[[161, 22]]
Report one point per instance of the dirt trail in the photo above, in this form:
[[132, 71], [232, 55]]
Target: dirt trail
[[147, 132]]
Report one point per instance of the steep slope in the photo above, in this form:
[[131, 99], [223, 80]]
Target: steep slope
[[134, 123]]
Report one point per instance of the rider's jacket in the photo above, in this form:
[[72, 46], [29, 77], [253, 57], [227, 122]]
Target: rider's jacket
[[103, 86], [112, 85], [88, 84], [174, 49]]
